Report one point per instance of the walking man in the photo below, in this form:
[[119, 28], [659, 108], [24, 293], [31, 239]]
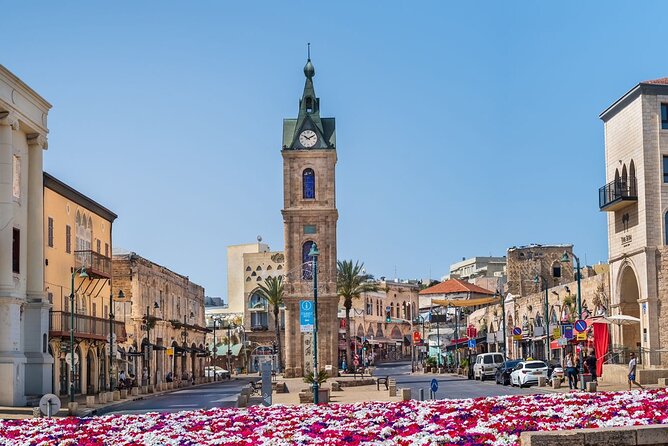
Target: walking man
[[632, 370]]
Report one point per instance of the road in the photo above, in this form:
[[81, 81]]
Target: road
[[219, 394], [449, 386]]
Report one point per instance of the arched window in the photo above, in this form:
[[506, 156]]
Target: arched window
[[309, 104], [625, 183], [256, 302], [308, 183], [307, 266], [632, 179]]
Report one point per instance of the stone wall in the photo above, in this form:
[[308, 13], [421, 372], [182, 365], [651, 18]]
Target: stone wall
[[618, 436], [662, 301], [525, 263]]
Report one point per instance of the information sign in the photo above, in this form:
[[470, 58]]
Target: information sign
[[306, 317]]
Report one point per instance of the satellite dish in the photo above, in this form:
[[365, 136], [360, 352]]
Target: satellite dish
[[259, 238], [49, 404]]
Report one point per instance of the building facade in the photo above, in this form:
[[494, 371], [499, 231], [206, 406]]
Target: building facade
[[310, 218], [525, 263], [77, 235], [163, 312], [635, 198], [25, 363]]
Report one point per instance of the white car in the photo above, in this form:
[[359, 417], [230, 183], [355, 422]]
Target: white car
[[486, 364], [527, 373], [220, 373]]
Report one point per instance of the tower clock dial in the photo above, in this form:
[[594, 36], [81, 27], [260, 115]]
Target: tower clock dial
[[308, 138]]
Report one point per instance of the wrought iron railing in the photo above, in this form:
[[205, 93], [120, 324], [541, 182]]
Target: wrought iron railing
[[95, 263], [84, 326], [617, 190]]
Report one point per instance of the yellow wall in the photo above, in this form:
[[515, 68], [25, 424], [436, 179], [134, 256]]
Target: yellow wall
[[57, 272]]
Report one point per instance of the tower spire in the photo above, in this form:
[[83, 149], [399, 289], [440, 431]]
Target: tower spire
[[308, 50]]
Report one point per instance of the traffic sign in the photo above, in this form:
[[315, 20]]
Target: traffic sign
[[556, 333], [568, 331], [580, 325], [434, 385], [68, 359], [49, 404], [416, 337], [306, 316], [582, 336], [562, 342], [471, 343], [517, 331]]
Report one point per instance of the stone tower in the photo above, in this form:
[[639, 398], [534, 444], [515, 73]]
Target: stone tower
[[309, 216]]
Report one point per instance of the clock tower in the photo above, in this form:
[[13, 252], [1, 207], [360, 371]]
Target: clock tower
[[309, 216]]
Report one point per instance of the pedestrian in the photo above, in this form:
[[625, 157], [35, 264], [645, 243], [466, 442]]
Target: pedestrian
[[632, 371], [577, 372], [571, 372], [121, 376], [590, 362]]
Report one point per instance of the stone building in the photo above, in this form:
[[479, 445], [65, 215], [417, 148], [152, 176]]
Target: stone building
[[527, 262], [25, 363], [635, 198], [163, 312], [77, 235], [310, 218]]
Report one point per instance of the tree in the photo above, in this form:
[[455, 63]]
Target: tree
[[272, 291], [351, 282]]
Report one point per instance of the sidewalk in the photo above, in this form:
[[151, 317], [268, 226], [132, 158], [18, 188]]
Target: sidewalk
[[345, 395]]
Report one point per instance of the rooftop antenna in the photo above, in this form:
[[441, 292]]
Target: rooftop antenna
[[308, 49]]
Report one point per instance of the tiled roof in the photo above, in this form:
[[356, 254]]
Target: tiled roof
[[661, 81], [453, 286]]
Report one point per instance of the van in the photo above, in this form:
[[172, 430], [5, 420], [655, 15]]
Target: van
[[486, 365]]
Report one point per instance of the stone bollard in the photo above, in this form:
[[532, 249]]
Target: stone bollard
[[110, 397], [591, 386], [72, 408], [542, 381], [116, 395], [124, 394], [134, 391], [556, 383], [102, 397], [144, 390], [663, 382], [242, 400], [90, 401], [150, 389], [336, 387], [36, 412], [405, 394], [393, 389]]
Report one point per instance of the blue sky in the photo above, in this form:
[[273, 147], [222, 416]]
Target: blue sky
[[463, 129]]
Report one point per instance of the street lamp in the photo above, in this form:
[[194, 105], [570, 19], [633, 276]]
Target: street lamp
[[537, 280], [215, 348], [565, 259], [229, 341], [503, 324], [147, 353], [121, 295], [82, 275], [314, 253]]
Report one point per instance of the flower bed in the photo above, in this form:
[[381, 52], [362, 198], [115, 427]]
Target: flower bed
[[494, 421]]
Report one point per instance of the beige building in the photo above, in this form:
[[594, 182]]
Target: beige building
[[636, 199], [25, 363], [174, 339], [77, 235], [310, 218]]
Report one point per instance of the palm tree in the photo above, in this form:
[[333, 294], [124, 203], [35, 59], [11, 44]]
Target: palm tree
[[272, 291], [351, 282]]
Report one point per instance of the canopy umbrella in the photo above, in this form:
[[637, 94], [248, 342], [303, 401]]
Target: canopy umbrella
[[622, 319]]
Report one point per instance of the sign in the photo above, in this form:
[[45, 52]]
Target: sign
[[265, 367], [471, 343], [517, 337], [517, 331], [556, 333], [49, 404], [416, 337], [580, 326], [568, 331], [68, 359], [471, 331], [491, 338], [306, 316], [582, 336], [434, 385], [562, 342]]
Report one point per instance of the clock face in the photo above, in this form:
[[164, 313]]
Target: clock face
[[308, 138]]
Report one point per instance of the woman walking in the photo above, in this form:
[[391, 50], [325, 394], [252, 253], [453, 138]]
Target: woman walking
[[571, 372]]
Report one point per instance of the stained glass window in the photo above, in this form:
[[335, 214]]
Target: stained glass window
[[308, 179], [307, 266]]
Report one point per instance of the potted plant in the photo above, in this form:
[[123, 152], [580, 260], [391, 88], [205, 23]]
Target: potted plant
[[431, 363], [320, 378]]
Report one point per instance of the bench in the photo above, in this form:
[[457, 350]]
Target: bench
[[381, 380]]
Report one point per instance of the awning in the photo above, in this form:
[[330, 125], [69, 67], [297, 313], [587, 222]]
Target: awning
[[466, 302], [221, 349]]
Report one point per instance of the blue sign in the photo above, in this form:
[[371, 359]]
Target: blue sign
[[580, 326], [517, 331], [306, 316], [434, 385], [471, 343], [567, 330]]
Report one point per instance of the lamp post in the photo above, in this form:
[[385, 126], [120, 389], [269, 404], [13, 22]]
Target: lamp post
[[229, 341], [503, 323], [215, 349], [147, 353], [314, 253], [83, 275], [565, 259], [536, 280], [121, 295]]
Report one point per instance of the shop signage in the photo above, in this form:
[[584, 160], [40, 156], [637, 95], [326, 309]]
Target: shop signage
[[568, 331], [556, 333]]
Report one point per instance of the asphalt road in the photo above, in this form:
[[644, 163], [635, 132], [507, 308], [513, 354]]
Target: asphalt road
[[219, 394], [449, 386]]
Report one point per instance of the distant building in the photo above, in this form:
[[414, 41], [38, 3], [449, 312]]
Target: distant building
[[524, 263], [486, 272]]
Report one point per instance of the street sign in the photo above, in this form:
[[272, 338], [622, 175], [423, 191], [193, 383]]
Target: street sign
[[416, 337], [568, 331], [562, 342], [556, 333], [49, 404], [306, 316], [170, 351], [580, 326], [582, 337], [471, 343], [68, 359], [517, 331], [434, 385], [517, 337]]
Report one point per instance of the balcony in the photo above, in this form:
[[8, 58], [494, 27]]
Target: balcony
[[87, 327], [617, 195], [97, 266]]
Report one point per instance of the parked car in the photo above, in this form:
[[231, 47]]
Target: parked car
[[502, 375], [220, 373], [526, 373], [486, 365]]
